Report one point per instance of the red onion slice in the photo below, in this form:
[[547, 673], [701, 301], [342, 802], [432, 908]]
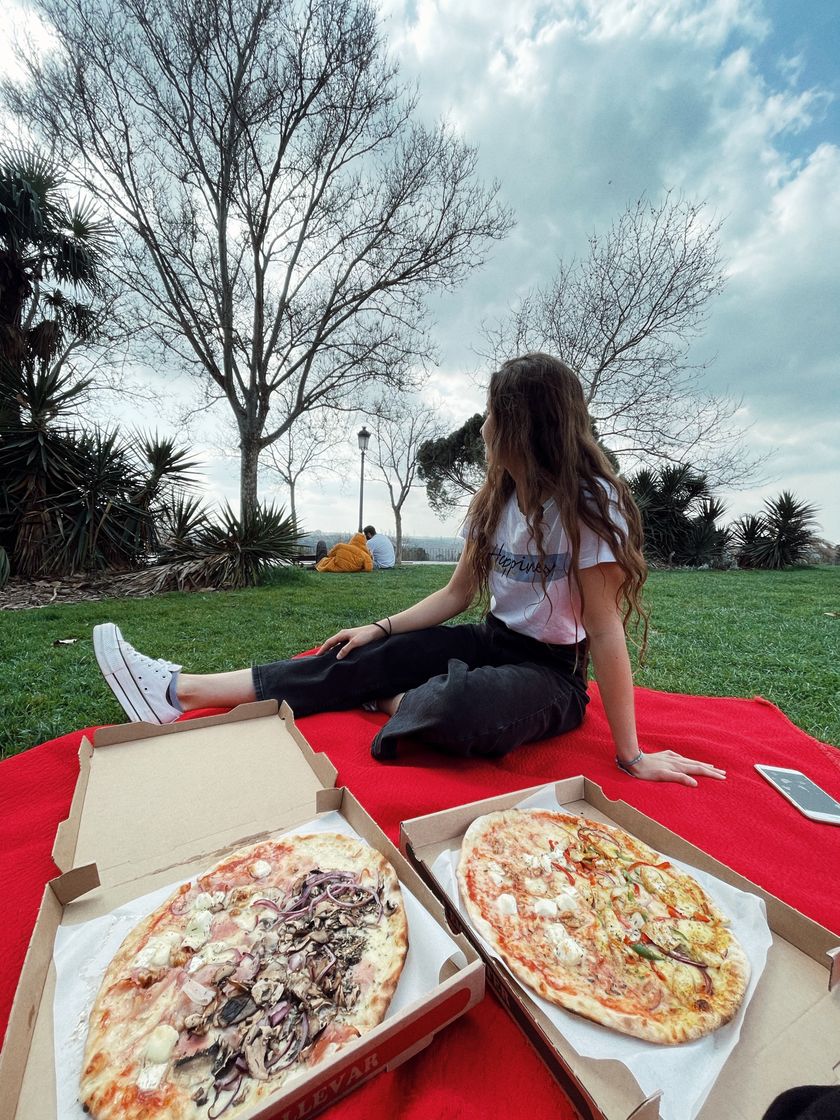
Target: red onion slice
[[370, 895], [226, 1079], [675, 956], [322, 972], [249, 966], [224, 1098], [268, 904], [279, 1012]]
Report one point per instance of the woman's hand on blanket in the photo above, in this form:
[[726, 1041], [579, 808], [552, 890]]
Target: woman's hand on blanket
[[352, 639], [668, 766]]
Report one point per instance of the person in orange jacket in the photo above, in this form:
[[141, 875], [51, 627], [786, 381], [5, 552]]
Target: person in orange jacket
[[347, 556]]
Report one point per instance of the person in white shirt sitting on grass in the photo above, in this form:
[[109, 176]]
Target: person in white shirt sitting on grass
[[553, 553], [379, 547]]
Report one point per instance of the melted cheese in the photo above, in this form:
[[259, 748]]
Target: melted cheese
[[506, 904], [566, 949], [198, 929], [496, 873], [567, 901], [246, 921], [535, 886], [540, 861], [259, 868], [150, 1076], [157, 952], [205, 901], [545, 908], [160, 1044]]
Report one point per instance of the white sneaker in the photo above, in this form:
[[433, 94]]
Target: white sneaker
[[137, 681]]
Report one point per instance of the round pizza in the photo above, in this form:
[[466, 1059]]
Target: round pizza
[[597, 922], [245, 978]]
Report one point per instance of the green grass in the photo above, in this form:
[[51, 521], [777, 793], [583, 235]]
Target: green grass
[[712, 633]]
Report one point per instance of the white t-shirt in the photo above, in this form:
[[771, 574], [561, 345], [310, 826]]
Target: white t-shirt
[[381, 550], [516, 596]]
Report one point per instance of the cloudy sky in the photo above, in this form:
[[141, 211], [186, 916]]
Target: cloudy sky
[[580, 106]]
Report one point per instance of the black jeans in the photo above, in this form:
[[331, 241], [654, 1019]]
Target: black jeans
[[475, 689]]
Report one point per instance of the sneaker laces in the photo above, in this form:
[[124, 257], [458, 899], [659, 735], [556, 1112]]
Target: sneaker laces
[[157, 665]]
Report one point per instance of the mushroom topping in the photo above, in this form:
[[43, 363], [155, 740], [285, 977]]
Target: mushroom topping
[[290, 981], [254, 1053], [235, 1010]]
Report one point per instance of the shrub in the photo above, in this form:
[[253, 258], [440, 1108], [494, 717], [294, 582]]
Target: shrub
[[780, 537], [679, 517], [234, 552]]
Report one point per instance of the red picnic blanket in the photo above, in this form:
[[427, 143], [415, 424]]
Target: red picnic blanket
[[481, 1066]]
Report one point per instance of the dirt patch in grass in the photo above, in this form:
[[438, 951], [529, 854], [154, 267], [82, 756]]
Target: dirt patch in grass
[[27, 594]]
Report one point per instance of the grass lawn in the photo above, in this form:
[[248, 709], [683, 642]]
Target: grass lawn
[[774, 634]]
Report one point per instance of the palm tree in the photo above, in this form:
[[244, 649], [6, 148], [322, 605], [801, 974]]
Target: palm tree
[[679, 515], [50, 251], [45, 242], [778, 537]]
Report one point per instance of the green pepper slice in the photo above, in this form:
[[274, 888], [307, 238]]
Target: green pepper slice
[[646, 951]]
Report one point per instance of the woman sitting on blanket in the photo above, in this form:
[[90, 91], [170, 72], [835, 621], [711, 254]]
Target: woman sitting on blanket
[[552, 538]]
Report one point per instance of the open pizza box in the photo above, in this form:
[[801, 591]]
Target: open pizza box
[[790, 1033], [154, 806]]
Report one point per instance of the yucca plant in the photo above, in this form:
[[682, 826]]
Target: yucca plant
[[779, 537], [703, 542], [746, 533], [678, 516], [169, 470], [234, 551], [38, 461], [103, 527], [179, 521]]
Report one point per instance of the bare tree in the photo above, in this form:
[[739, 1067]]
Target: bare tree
[[306, 447], [399, 430], [624, 318], [282, 213]]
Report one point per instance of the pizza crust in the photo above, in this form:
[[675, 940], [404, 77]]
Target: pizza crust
[[595, 921], [243, 979]]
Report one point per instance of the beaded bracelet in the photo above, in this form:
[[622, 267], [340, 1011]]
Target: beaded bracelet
[[626, 766]]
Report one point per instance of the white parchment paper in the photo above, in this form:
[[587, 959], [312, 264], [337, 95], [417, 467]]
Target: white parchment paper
[[686, 1073], [83, 952]]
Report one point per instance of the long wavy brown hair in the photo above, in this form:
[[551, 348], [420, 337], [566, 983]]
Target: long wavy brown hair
[[539, 421]]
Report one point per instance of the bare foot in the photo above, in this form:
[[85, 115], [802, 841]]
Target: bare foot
[[390, 704]]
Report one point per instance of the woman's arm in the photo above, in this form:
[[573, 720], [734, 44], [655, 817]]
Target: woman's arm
[[436, 608], [608, 649]]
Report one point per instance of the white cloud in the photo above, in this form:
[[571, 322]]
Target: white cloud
[[580, 107]]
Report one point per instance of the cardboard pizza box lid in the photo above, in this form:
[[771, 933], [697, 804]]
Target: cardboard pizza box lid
[[164, 781]]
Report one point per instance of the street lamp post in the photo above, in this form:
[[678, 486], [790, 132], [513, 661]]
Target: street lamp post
[[364, 440]]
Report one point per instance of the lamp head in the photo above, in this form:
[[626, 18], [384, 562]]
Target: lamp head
[[364, 439]]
